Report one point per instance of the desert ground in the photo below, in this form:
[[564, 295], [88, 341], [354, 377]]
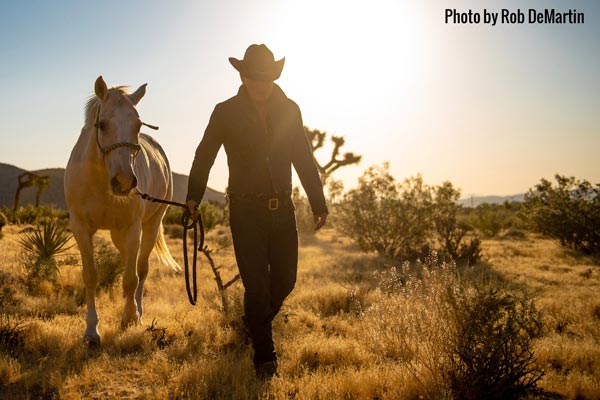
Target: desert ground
[[347, 331]]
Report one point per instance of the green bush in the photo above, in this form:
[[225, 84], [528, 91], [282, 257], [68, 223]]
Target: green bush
[[406, 220], [392, 219], [492, 219], [304, 216], [491, 354], [451, 231], [108, 264], [568, 212], [30, 214]]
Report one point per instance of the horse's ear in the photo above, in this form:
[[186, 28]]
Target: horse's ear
[[100, 88], [136, 96]]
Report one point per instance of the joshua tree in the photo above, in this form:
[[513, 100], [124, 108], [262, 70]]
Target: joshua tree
[[317, 139], [29, 179], [42, 184]]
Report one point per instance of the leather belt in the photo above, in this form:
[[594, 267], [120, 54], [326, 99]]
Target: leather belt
[[273, 200]]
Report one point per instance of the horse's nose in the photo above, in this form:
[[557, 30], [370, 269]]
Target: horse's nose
[[134, 182]]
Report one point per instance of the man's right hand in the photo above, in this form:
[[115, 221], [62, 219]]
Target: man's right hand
[[192, 209]]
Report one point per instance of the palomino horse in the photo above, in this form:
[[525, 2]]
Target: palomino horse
[[110, 159]]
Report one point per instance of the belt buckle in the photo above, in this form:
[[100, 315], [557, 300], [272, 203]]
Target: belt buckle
[[274, 204]]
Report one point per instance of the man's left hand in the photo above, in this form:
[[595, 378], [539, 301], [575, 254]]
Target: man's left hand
[[320, 220]]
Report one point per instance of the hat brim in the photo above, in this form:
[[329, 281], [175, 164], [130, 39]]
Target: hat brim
[[268, 75]]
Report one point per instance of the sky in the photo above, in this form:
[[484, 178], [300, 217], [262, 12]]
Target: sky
[[492, 109]]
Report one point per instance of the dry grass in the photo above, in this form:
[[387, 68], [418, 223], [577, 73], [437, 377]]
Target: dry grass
[[329, 334]]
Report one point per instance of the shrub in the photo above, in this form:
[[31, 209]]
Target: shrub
[[172, 216], [30, 214], [9, 290], [304, 215], [108, 263], [405, 220], [11, 335], [44, 243], [568, 212], [491, 219], [450, 230], [490, 350], [392, 219], [457, 337], [174, 231]]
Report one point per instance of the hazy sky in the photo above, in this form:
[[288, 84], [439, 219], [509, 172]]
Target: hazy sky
[[492, 109]]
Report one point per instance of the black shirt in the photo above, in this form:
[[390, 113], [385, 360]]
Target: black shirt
[[259, 156]]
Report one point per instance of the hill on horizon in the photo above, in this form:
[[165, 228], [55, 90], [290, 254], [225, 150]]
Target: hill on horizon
[[55, 195]]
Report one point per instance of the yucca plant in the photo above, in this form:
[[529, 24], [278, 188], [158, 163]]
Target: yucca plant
[[44, 243]]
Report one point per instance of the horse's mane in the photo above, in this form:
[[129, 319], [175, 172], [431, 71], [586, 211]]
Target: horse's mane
[[92, 102]]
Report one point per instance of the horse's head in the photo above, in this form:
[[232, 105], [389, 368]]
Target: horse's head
[[117, 125]]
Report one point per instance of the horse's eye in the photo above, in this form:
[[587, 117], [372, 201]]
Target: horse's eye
[[100, 125]]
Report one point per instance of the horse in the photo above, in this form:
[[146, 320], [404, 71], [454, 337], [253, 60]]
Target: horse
[[109, 162]]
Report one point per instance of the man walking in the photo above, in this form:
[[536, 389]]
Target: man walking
[[263, 135]]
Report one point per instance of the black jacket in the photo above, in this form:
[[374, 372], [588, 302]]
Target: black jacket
[[259, 159]]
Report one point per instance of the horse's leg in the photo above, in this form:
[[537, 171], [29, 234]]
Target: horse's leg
[[149, 235], [131, 244], [83, 237]]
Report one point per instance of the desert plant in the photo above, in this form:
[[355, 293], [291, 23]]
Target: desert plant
[[304, 216], [490, 350], [9, 290], [450, 229], [491, 219], [568, 212], [317, 140], [390, 218], [174, 231], [30, 215], [458, 338], [44, 243], [11, 335], [108, 263]]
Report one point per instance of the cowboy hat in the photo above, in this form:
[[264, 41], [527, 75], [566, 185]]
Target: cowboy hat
[[258, 64]]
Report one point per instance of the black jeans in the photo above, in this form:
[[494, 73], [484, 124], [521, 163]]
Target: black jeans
[[266, 249]]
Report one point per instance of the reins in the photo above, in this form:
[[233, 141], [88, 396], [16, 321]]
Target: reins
[[195, 224]]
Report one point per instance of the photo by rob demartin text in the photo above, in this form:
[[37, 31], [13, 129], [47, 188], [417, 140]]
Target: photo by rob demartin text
[[505, 16]]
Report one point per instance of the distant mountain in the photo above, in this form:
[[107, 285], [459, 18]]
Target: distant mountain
[[475, 201], [54, 194]]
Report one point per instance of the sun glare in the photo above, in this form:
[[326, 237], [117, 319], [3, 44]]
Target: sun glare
[[354, 67]]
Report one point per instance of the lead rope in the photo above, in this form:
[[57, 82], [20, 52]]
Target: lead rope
[[195, 224]]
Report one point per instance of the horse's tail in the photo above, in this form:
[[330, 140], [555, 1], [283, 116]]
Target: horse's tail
[[162, 251]]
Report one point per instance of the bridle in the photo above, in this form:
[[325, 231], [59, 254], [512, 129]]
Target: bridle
[[105, 150]]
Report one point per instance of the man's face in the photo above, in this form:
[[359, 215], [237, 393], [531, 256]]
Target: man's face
[[259, 91]]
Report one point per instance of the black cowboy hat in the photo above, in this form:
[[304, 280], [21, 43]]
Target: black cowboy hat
[[258, 64]]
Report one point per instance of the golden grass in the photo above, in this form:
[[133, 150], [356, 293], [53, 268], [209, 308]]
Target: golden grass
[[338, 336]]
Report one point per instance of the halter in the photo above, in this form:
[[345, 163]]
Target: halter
[[105, 150]]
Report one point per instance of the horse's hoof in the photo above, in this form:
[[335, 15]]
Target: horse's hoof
[[93, 341]]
